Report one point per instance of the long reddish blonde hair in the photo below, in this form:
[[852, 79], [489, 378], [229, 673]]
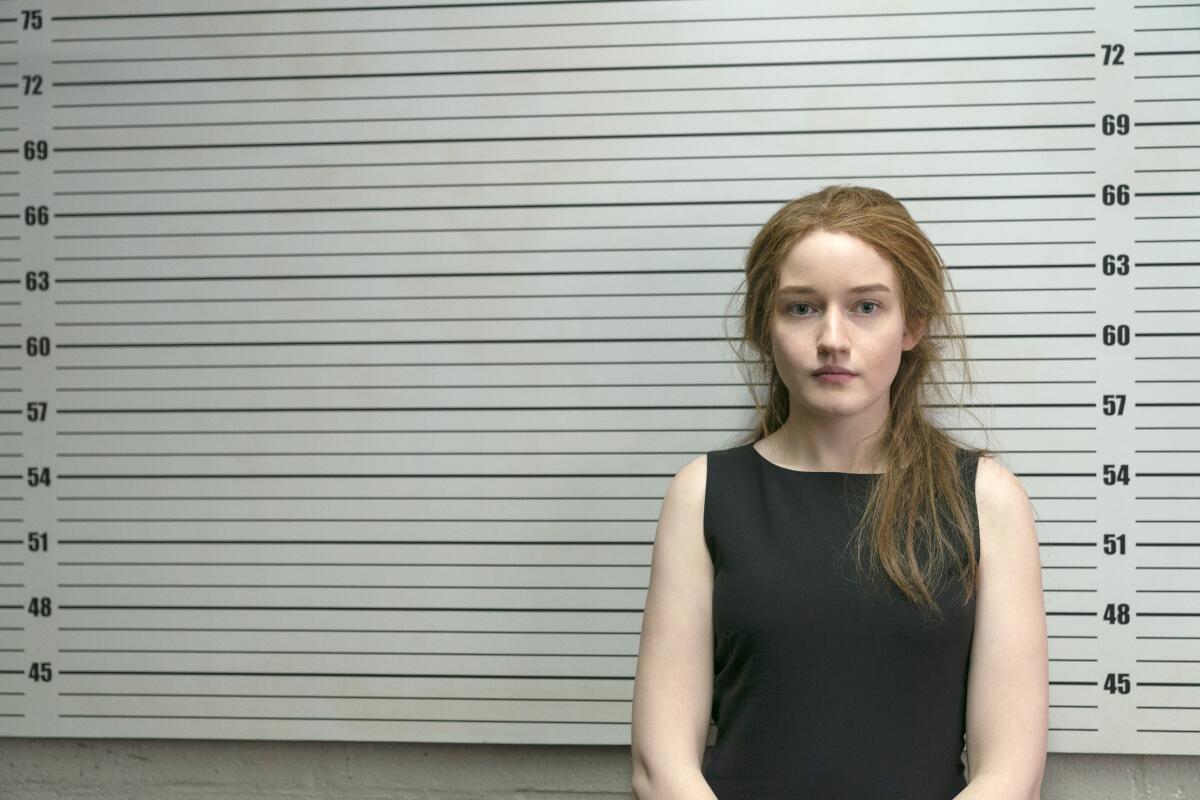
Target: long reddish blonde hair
[[915, 529]]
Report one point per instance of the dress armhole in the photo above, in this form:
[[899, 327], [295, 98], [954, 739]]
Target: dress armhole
[[709, 541], [970, 471]]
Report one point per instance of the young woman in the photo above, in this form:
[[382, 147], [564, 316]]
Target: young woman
[[849, 593]]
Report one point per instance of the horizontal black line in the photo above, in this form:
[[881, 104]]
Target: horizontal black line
[[373, 564], [563, 340], [340, 719], [504, 274], [163, 257], [395, 564], [488, 386], [473, 609], [506, 722], [294, 542], [348, 653], [579, 160], [512, 206], [426, 430], [547, 70], [322, 276], [1162, 77], [454, 720], [327, 475], [334, 564], [333, 9], [318, 696], [583, 24], [340, 630], [546, 93], [309, 497], [1164, 146], [749, 226], [571, 47], [431, 475], [1164, 100], [572, 137], [124, 476], [1165, 5], [672, 113], [370, 364], [621, 181], [432, 6]]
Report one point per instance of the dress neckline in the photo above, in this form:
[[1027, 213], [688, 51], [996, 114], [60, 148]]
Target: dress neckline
[[767, 461]]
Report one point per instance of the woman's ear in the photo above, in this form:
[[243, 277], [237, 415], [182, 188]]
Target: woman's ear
[[913, 334]]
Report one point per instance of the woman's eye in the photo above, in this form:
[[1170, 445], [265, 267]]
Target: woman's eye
[[863, 303]]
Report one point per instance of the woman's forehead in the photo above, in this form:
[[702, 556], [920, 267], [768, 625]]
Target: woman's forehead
[[818, 275]]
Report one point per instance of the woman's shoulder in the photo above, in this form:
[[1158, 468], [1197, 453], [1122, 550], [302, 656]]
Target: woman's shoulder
[[997, 482], [691, 480], [999, 494], [692, 476]]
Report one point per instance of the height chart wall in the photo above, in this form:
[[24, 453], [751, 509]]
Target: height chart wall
[[349, 347]]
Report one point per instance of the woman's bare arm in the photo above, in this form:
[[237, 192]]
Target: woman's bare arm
[[1008, 685], [672, 693]]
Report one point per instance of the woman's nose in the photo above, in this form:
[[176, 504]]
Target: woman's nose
[[833, 331]]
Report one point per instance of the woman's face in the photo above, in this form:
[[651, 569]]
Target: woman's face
[[832, 323]]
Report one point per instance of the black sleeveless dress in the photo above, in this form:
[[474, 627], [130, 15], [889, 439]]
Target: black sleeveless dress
[[821, 690]]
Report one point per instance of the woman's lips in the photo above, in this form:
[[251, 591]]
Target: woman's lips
[[834, 377]]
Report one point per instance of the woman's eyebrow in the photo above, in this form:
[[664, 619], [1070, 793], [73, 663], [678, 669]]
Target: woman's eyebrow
[[870, 287]]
